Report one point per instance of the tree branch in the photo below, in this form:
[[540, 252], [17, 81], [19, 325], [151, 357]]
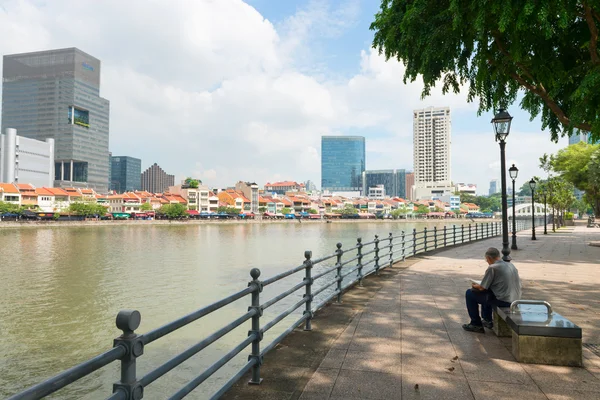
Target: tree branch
[[537, 87], [593, 46]]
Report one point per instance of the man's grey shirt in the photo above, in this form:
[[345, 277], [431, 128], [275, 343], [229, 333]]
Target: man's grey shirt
[[503, 279]]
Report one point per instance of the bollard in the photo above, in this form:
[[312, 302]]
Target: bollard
[[391, 252], [444, 235], [454, 235], [309, 297], [435, 237], [338, 277], [414, 241], [376, 254], [128, 321], [403, 256], [425, 239], [359, 260], [256, 289]]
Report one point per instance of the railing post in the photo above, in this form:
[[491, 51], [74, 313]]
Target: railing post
[[444, 235], [403, 256], [462, 233], [435, 237], [128, 321], [359, 260], [256, 331], [425, 240], [391, 252], [309, 297], [414, 241], [476, 231], [376, 254], [338, 277], [454, 235], [469, 232], [487, 228]]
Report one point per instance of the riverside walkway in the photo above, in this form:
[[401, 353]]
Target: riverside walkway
[[400, 336]]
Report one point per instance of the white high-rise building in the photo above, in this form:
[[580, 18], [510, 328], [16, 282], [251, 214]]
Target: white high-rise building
[[431, 147], [24, 160]]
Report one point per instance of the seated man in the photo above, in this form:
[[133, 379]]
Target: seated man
[[500, 286]]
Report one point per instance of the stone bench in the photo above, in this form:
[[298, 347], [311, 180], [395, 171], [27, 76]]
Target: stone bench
[[539, 335]]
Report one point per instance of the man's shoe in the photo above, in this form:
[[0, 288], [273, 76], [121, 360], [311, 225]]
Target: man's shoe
[[487, 324], [473, 328]]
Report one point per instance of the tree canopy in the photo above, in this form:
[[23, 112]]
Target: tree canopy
[[87, 209], [578, 164], [173, 211], [546, 48]]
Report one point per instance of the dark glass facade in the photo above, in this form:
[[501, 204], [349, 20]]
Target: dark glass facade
[[394, 181], [126, 174], [342, 163], [56, 94]]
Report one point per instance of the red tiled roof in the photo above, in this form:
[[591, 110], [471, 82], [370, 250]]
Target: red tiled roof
[[284, 183], [8, 188], [25, 186]]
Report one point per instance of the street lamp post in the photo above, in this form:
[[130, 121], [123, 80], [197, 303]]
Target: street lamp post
[[532, 184], [513, 172], [501, 124], [545, 221]]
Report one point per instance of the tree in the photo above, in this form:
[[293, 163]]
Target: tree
[[172, 211], [262, 209], [421, 209], [578, 164], [348, 209], [548, 49], [9, 208], [146, 207], [87, 209], [313, 211], [438, 209], [524, 190], [287, 210], [227, 210], [192, 183]]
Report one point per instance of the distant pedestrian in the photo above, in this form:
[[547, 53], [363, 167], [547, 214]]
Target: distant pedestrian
[[501, 285]]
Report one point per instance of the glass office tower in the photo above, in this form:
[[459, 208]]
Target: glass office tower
[[126, 174], [394, 181], [342, 163], [56, 94]]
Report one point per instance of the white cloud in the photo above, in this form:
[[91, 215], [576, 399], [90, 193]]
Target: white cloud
[[211, 89]]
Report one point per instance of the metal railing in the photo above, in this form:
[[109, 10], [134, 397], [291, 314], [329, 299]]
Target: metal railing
[[324, 279]]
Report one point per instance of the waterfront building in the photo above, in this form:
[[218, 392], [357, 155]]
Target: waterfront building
[[518, 200], [250, 191], [494, 187], [156, 180], [393, 180], [431, 151], [125, 174], [197, 198], [409, 185], [376, 192], [466, 188], [284, 187], [9, 193], [55, 95], [26, 160], [451, 200], [342, 163], [235, 199], [52, 199]]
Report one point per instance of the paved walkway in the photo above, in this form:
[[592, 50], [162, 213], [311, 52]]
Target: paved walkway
[[408, 342]]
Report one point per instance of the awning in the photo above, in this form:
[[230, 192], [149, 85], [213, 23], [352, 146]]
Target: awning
[[121, 215], [192, 212]]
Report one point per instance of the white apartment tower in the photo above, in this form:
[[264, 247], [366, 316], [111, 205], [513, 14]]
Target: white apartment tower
[[431, 147]]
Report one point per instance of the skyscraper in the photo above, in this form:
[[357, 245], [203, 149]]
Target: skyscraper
[[56, 94], [125, 174], [494, 187], [342, 163], [393, 180], [155, 180], [431, 151], [410, 182], [581, 136]]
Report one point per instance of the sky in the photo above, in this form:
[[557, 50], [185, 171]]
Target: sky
[[227, 90]]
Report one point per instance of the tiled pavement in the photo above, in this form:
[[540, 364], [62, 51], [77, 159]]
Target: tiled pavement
[[408, 342]]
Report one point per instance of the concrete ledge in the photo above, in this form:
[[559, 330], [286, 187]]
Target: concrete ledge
[[501, 328], [547, 350]]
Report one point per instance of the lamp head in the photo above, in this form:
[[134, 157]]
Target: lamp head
[[513, 172], [532, 184], [501, 124]]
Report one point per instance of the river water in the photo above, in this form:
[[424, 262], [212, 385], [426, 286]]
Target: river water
[[61, 288]]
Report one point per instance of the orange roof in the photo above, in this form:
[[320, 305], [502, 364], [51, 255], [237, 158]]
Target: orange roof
[[286, 202], [8, 188], [284, 183], [57, 191], [25, 186], [87, 191]]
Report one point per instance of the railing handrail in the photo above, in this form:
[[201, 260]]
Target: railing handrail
[[129, 346]]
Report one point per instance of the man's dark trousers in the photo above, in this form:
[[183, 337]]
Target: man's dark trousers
[[487, 300]]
